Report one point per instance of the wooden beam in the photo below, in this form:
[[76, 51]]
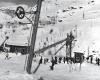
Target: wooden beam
[[33, 39], [50, 46], [59, 49]]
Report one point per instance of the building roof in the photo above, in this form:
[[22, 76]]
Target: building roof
[[18, 41]]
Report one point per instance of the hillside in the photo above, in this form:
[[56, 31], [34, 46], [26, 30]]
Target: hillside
[[64, 15]]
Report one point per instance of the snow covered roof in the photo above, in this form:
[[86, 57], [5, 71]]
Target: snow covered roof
[[18, 40], [19, 37]]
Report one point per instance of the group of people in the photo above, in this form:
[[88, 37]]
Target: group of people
[[90, 59], [58, 60], [69, 60], [54, 60]]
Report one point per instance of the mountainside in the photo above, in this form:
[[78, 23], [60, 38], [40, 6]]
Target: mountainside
[[60, 16]]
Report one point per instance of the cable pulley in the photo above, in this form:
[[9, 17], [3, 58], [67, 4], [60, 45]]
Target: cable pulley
[[20, 12]]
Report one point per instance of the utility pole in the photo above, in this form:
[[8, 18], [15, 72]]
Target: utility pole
[[67, 45], [88, 50], [33, 38]]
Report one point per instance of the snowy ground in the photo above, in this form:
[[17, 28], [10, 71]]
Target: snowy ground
[[61, 72], [13, 69]]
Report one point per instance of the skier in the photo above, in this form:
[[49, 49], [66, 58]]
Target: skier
[[55, 60], [52, 64], [64, 59], [67, 59], [60, 58], [7, 56], [91, 59]]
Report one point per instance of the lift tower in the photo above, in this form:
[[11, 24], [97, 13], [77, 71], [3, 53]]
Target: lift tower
[[33, 38]]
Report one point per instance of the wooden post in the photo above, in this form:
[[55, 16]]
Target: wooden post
[[67, 46], [70, 44], [33, 39], [66, 50]]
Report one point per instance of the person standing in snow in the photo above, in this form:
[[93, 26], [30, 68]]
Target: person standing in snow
[[91, 59], [7, 56], [55, 60], [87, 58], [60, 58], [52, 64], [6, 51], [67, 59], [64, 59], [98, 61]]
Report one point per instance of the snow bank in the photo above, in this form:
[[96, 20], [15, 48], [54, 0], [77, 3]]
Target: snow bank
[[16, 76]]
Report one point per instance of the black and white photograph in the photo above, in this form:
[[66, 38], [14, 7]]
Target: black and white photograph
[[49, 39]]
